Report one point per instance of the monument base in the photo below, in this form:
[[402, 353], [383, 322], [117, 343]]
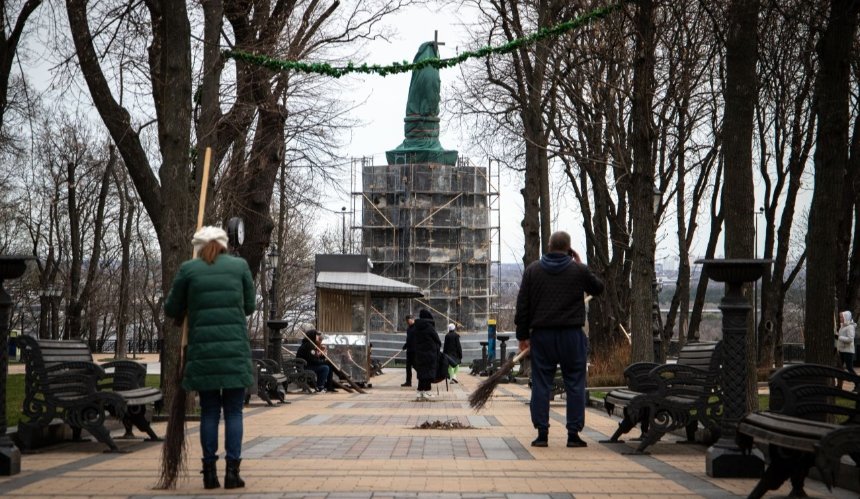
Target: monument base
[[10, 458], [420, 156], [725, 460]]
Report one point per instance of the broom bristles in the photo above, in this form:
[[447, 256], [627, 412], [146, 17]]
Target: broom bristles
[[479, 398], [173, 449]]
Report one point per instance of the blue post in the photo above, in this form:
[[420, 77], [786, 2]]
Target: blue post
[[491, 341]]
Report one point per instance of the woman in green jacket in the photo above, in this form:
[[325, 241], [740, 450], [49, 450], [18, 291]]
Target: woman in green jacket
[[216, 291]]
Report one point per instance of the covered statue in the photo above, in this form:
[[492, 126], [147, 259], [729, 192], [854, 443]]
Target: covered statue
[[421, 124]]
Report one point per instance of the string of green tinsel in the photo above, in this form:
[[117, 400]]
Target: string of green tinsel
[[405, 66]]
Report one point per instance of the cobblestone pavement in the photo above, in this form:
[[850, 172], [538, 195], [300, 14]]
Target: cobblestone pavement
[[353, 446]]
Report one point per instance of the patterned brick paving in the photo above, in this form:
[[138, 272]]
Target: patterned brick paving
[[409, 421], [380, 447]]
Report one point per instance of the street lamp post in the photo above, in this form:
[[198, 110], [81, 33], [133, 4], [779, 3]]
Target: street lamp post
[[274, 333], [11, 267], [343, 230], [656, 330]]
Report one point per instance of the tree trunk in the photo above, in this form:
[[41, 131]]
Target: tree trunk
[[641, 204], [531, 208], [835, 50]]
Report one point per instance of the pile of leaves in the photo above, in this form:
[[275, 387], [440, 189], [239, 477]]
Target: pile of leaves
[[443, 425]]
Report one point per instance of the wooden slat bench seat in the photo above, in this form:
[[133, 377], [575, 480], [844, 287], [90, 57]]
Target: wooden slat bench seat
[[61, 380], [811, 421], [663, 398]]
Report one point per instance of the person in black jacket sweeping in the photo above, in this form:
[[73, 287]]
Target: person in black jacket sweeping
[[427, 345], [549, 319]]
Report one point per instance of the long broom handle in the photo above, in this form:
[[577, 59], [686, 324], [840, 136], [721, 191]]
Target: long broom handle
[[521, 355], [389, 360], [201, 211]]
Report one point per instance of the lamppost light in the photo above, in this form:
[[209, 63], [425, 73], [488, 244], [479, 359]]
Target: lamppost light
[[273, 258]]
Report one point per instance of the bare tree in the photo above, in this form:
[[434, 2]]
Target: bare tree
[[785, 132], [9, 41], [836, 48]]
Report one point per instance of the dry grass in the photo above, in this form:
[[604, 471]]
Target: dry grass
[[607, 367]]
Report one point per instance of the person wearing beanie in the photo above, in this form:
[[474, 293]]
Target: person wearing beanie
[[845, 341], [454, 350], [216, 292], [427, 345]]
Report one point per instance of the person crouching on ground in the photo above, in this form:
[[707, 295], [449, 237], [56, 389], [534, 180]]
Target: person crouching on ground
[[427, 345], [454, 350], [549, 318], [311, 353], [216, 291]]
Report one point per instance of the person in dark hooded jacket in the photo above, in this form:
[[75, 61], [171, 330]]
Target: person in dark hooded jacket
[[427, 345], [309, 351], [549, 319]]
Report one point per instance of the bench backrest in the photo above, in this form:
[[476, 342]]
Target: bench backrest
[[703, 355], [811, 391]]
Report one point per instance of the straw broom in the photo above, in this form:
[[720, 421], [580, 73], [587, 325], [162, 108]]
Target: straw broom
[[173, 450], [482, 394]]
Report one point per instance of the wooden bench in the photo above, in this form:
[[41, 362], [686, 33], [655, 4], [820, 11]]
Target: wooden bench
[[811, 421], [61, 380], [663, 398]]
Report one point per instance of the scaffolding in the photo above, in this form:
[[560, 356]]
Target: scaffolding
[[436, 227]]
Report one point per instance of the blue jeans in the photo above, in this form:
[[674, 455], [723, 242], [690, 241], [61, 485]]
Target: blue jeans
[[549, 348], [322, 371], [211, 403]]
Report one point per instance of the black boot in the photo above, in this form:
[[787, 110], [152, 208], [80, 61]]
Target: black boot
[[542, 439], [573, 440], [232, 480], [210, 475]]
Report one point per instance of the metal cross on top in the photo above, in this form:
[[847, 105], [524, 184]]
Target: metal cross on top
[[436, 42]]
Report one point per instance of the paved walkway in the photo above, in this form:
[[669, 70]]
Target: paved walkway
[[351, 446]]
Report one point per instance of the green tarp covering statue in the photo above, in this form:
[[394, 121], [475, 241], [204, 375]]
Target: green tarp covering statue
[[421, 124]]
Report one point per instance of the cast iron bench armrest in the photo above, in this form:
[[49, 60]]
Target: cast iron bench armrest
[[638, 376]]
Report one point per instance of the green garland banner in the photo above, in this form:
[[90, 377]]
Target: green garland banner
[[405, 66]]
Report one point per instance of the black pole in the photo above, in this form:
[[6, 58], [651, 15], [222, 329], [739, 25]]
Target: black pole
[[274, 333], [10, 268], [343, 230]]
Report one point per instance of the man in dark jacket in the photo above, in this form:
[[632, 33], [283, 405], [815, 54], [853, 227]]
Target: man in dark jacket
[[549, 319], [409, 346], [427, 345]]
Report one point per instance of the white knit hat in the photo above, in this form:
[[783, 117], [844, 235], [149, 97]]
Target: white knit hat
[[209, 233], [451, 327]]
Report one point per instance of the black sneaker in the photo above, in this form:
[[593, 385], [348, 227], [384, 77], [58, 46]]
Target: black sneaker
[[573, 440], [454, 380], [406, 384]]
